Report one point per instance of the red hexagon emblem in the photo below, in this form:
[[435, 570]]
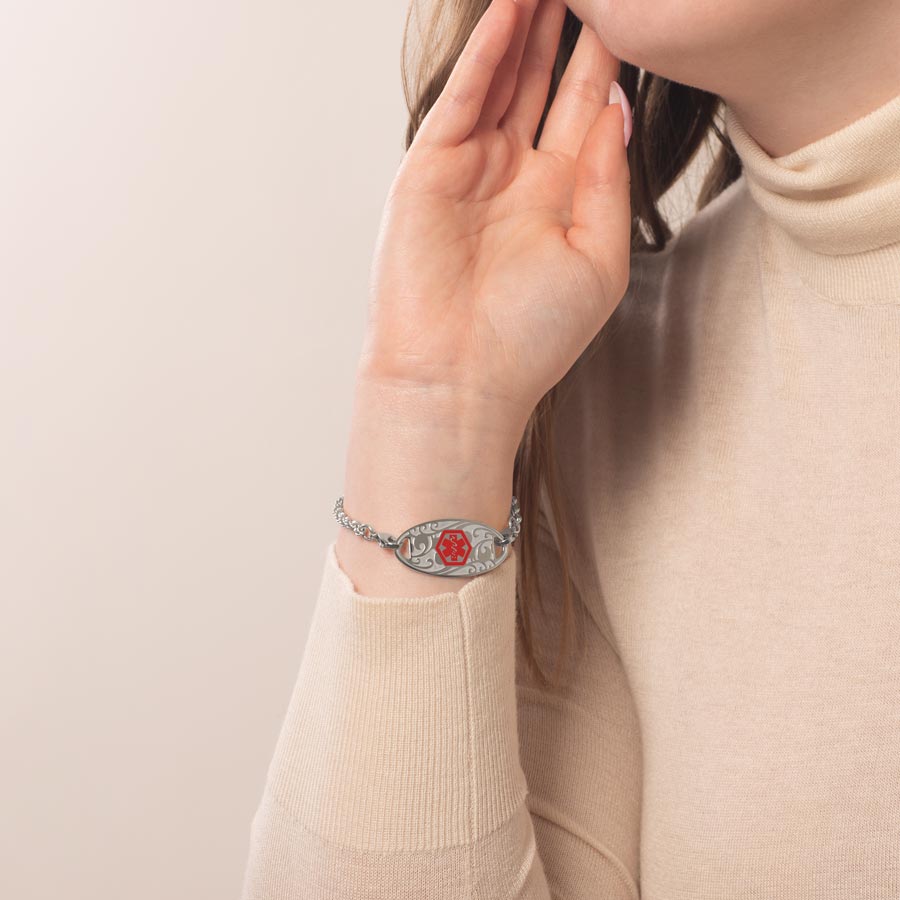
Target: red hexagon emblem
[[453, 547]]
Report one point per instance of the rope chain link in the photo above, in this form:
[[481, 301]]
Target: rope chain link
[[367, 532]]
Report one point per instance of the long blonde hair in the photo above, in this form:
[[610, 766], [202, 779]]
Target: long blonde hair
[[671, 121]]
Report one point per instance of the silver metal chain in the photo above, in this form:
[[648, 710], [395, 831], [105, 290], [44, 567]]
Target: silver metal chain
[[509, 534]]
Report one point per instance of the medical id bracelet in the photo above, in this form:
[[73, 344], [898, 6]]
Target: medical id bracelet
[[444, 546]]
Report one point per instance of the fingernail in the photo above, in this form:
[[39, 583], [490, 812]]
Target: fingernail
[[617, 95]]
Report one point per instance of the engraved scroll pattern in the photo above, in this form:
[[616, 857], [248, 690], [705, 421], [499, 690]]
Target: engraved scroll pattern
[[424, 557]]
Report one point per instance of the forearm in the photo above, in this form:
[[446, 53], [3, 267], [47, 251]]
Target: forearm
[[417, 453], [398, 763]]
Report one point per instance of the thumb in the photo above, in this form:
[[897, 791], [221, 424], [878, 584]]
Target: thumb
[[601, 199]]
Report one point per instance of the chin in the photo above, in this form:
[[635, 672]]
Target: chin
[[697, 42]]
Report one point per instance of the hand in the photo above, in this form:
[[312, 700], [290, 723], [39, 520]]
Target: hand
[[498, 262]]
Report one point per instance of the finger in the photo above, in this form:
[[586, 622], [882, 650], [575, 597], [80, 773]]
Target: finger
[[535, 71], [457, 110], [583, 91], [504, 84], [601, 199]]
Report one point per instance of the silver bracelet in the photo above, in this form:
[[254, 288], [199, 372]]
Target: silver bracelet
[[444, 546]]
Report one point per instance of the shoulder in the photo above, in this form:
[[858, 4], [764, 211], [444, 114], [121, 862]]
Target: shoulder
[[674, 297], [713, 248], [633, 400]]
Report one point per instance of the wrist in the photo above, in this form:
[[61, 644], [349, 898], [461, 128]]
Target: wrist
[[455, 408], [417, 454], [428, 453]]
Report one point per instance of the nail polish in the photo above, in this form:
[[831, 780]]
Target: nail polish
[[617, 95]]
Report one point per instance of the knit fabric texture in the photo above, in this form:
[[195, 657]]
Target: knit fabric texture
[[729, 726]]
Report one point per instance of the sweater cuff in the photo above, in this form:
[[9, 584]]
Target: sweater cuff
[[401, 733]]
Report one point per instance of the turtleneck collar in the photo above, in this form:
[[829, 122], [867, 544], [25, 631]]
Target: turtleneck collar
[[835, 203]]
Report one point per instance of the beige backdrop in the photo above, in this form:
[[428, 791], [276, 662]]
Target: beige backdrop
[[189, 198]]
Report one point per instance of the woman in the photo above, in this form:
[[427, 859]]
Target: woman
[[682, 679]]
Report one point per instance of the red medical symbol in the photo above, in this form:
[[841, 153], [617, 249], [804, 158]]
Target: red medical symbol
[[453, 547]]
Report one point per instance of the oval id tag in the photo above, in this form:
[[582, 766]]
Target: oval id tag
[[451, 547]]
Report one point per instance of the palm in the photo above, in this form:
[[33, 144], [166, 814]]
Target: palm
[[479, 265]]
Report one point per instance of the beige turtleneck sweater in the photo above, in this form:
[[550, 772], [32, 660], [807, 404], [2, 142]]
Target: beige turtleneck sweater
[[731, 730]]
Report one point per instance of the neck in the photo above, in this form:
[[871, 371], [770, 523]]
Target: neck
[[793, 93], [833, 205]]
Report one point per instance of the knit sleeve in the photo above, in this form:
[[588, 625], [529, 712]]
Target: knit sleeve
[[398, 772]]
